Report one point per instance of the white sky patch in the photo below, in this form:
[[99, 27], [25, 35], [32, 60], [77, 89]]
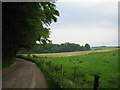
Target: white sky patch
[[95, 23], [37, 42], [87, 0], [82, 35]]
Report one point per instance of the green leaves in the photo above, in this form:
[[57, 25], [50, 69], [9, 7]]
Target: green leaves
[[87, 46], [24, 23]]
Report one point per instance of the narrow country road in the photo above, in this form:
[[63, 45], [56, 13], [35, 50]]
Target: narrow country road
[[23, 74]]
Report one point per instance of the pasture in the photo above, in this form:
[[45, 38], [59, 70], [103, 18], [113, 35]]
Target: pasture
[[64, 54], [78, 68]]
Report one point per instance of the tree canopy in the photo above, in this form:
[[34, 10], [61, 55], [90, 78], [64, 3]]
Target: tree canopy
[[25, 22], [87, 46], [54, 48]]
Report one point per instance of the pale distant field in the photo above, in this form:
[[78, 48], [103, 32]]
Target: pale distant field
[[64, 54]]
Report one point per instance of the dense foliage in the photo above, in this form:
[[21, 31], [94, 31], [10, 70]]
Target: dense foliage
[[23, 23], [87, 46], [55, 48]]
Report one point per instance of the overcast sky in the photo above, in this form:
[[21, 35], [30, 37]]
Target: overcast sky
[[83, 22]]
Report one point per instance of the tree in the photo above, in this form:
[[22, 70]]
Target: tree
[[24, 23], [87, 46], [53, 48]]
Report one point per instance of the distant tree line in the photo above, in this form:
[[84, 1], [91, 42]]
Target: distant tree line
[[55, 48]]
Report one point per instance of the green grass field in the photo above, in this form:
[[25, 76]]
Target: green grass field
[[64, 54], [79, 68]]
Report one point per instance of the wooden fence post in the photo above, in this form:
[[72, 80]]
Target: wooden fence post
[[50, 65], [57, 69], [61, 69], [74, 75], [96, 82]]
